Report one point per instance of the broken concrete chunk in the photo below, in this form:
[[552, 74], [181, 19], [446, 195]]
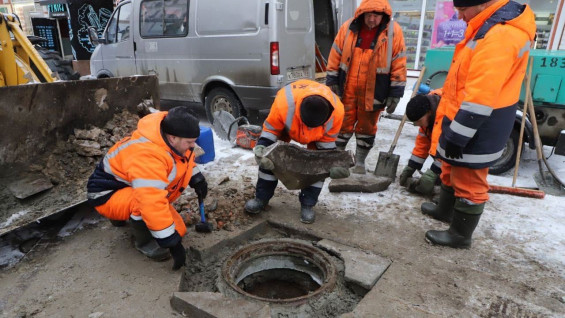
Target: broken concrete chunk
[[216, 305], [91, 134], [29, 186], [297, 167], [361, 267], [360, 183], [88, 148]]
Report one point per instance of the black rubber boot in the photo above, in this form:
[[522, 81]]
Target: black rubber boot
[[443, 211], [307, 214], [459, 235], [255, 206], [118, 223], [145, 243]]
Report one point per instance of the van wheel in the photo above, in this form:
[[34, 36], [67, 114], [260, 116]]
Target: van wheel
[[508, 158], [221, 98]]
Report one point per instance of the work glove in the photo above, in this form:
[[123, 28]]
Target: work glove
[[425, 185], [406, 173], [339, 172], [201, 189], [452, 151], [179, 256], [263, 163], [391, 103]]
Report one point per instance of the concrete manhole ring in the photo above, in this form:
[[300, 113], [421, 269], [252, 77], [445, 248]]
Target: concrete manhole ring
[[279, 271]]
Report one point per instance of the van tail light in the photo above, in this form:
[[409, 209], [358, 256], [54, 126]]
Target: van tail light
[[275, 69]]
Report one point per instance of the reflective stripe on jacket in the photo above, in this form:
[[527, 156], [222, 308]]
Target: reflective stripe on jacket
[[284, 118], [481, 91], [388, 62], [145, 162]]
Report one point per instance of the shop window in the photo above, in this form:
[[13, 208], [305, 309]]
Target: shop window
[[164, 18]]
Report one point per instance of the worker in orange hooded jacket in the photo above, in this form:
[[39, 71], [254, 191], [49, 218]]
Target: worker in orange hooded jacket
[[306, 112], [476, 113], [142, 174], [367, 69]]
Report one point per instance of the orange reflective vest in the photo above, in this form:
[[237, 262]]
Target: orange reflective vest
[[386, 74], [157, 174], [284, 120], [482, 88]]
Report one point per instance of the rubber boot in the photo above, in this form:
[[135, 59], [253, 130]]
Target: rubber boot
[[360, 156], [459, 235], [255, 206], [307, 214], [145, 243], [443, 211]]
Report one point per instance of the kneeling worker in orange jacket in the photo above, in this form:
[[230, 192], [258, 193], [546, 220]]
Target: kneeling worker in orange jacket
[[476, 113], [140, 177], [308, 113], [421, 110], [367, 69]]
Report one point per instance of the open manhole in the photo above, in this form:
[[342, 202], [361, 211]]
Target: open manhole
[[279, 271]]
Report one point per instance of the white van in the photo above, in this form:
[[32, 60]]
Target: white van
[[229, 55]]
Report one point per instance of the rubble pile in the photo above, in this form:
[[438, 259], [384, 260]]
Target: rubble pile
[[223, 205]]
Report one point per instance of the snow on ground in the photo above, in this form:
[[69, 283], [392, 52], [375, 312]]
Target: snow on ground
[[535, 226]]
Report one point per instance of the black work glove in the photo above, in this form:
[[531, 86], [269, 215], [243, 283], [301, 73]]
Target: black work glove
[[179, 256], [201, 189], [452, 151]]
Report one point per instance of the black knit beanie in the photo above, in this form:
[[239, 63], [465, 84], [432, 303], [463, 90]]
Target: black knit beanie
[[314, 111], [468, 3], [417, 107], [181, 123]]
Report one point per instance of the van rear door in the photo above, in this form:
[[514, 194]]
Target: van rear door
[[293, 30]]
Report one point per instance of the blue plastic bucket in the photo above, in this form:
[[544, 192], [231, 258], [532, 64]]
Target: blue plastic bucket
[[206, 142]]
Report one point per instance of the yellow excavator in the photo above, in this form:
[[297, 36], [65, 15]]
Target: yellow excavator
[[38, 111]]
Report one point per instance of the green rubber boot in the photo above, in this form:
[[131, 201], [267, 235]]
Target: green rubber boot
[[145, 243], [443, 211], [466, 217]]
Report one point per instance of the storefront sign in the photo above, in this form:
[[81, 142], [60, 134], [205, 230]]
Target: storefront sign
[[47, 29], [58, 10], [448, 29], [85, 14]]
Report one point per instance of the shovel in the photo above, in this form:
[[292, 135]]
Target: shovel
[[387, 163]]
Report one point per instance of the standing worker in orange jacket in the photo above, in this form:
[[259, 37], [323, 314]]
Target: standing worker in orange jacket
[[308, 113], [477, 109], [140, 177], [367, 69], [421, 110]]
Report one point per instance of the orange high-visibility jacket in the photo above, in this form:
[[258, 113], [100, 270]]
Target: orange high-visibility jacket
[[284, 119], [157, 174], [482, 88], [386, 69]]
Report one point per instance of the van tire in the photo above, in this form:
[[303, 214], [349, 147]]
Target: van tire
[[221, 98], [508, 159]]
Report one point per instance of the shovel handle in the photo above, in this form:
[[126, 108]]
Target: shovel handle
[[399, 130]]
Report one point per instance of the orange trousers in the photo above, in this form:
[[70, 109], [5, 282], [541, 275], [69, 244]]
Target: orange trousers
[[121, 206], [470, 184], [356, 116]]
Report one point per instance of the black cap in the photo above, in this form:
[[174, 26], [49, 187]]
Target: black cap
[[181, 123], [417, 107], [468, 3], [314, 111]]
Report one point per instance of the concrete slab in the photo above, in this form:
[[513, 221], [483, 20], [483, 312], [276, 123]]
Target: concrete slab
[[297, 167], [360, 183], [215, 305], [362, 268]]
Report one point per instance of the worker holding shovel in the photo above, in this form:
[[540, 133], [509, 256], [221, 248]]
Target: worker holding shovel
[[306, 112], [142, 174], [421, 110], [367, 69], [476, 113]]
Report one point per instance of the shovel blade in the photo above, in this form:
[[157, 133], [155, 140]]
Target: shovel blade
[[387, 165], [547, 183]]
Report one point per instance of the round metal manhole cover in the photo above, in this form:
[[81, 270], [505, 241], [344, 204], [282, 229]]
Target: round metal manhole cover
[[280, 271]]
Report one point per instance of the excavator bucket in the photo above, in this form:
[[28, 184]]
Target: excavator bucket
[[38, 121]]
